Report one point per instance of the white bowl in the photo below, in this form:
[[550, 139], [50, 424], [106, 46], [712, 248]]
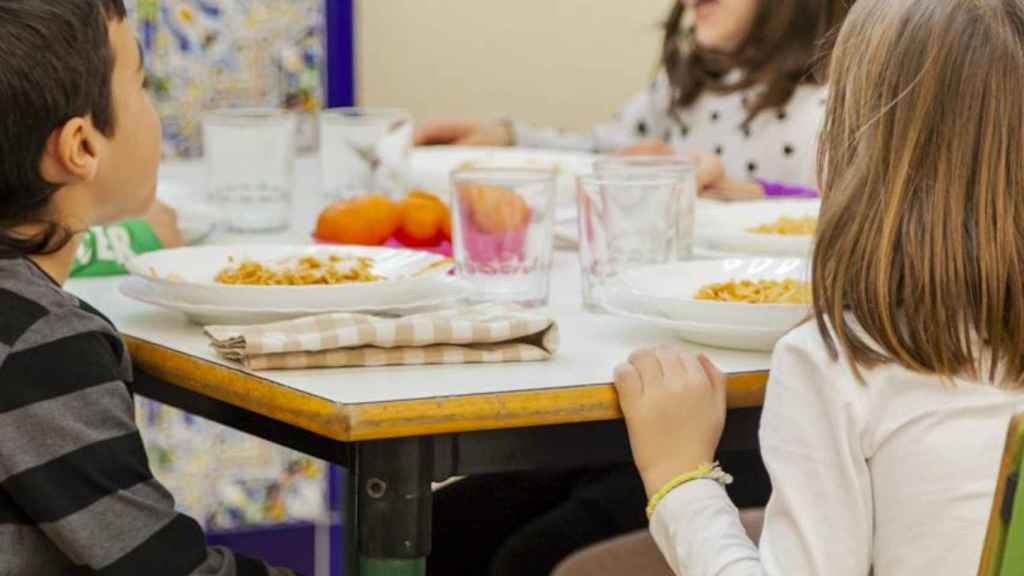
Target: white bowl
[[725, 227], [187, 276], [665, 295]]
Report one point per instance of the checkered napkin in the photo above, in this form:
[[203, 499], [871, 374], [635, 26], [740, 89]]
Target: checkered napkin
[[480, 334]]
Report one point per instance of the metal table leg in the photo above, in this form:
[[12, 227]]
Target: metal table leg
[[393, 503]]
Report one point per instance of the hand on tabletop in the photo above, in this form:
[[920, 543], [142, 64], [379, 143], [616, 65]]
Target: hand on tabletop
[[164, 222], [674, 403], [463, 133]]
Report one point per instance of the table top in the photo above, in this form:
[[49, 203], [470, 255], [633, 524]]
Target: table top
[[352, 404]]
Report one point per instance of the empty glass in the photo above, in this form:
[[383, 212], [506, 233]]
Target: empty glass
[[626, 222], [503, 232], [250, 163], [365, 151], [640, 167]]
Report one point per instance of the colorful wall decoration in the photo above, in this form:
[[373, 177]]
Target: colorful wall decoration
[[206, 54], [202, 55]]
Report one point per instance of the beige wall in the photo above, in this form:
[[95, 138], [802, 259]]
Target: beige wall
[[562, 63]]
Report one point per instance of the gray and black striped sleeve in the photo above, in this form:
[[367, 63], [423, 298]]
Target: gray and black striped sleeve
[[72, 463]]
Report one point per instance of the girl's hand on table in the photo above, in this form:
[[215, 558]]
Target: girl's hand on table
[[674, 403], [464, 133]]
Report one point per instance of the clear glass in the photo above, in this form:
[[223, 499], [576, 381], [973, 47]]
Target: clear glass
[[503, 237], [646, 167], [626, 222], [250, 163], [365, 151]]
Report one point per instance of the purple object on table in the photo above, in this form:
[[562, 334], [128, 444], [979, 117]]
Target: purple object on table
[[780, 190]]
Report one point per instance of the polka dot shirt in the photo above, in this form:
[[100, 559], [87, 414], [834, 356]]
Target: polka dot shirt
[[779, 145]]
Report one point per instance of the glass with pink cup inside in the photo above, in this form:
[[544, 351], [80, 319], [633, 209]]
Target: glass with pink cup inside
[[503, 234]]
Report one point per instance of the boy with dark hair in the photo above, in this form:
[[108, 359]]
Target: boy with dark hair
[[79, 146]]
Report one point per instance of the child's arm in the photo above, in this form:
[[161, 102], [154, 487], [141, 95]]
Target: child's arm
[[819, 520], [72, 462]]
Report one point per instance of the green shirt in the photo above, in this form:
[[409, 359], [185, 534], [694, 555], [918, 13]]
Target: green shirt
[[106, 249]]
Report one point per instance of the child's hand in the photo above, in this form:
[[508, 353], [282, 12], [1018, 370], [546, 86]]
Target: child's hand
[[674, 403], [652, 147], [710, 170], [164, 222]]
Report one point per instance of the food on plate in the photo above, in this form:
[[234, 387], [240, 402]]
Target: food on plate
[[789, 226], [302, 271], [424, 220], [368, 220], [788, 291], [494, 209]]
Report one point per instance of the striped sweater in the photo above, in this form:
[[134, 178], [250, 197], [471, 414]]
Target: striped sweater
[[76, 493]]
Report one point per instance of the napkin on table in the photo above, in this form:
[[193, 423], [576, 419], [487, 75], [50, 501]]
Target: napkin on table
[[469, 335]]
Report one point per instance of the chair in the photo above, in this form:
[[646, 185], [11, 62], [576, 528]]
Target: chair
[[637, 554], [1003, 554]]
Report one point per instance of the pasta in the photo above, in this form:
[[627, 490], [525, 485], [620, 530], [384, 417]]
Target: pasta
[[788, 291], [307, 271], [789, 226]]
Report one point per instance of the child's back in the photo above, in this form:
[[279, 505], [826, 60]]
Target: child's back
[[885, 415], [897, 472], [71, 457], [79, 146]]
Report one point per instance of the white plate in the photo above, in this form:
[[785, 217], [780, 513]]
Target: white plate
[[716, 335], [187, 275], [724, 227], [157, 294], [196, 218], [433, 165], [666, 294]]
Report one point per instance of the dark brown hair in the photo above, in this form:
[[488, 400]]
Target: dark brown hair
[[780, 53], [919, 258], [56, 63]]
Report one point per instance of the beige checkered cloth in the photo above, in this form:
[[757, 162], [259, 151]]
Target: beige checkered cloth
[[481, 334]]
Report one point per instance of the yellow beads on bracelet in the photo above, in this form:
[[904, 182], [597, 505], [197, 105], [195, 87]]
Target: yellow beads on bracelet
[[703, 472]]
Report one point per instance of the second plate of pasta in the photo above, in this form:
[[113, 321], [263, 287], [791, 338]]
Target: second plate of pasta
[[778, 228], [718, 302]]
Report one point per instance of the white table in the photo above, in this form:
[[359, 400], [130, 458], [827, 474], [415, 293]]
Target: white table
[[407, 426]]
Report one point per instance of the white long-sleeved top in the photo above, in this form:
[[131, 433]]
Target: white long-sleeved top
[[895, 475], [779, 145]]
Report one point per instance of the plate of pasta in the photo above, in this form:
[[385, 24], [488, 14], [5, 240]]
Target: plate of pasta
[[292, 280], [741, 303], [783, 228]]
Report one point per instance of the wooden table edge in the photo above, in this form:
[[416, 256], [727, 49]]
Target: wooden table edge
[[404, 418]]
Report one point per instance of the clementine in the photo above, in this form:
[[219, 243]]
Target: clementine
[[368, 220]]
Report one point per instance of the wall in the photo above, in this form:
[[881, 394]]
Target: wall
[[562, 63]]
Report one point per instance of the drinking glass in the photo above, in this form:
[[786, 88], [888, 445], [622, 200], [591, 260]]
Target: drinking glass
[[250, 164], [626, 222], [503, 234], [640, 167], [365, 151]]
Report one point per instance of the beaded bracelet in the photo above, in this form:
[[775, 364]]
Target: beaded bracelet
[[703, 472]]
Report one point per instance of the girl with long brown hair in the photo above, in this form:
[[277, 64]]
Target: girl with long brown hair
[[885, 415], [738, 83], [736, 90]]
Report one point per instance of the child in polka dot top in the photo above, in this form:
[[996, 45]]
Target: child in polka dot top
[[737, 92]]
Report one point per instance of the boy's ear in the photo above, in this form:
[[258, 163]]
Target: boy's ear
[[72, 153]]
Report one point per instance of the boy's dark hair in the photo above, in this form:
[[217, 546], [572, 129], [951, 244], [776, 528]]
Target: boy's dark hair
[[56, 63], [781, 53]]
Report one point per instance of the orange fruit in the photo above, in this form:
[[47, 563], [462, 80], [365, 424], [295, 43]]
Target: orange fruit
[[494, 209], [423, 220], [368, 220]]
